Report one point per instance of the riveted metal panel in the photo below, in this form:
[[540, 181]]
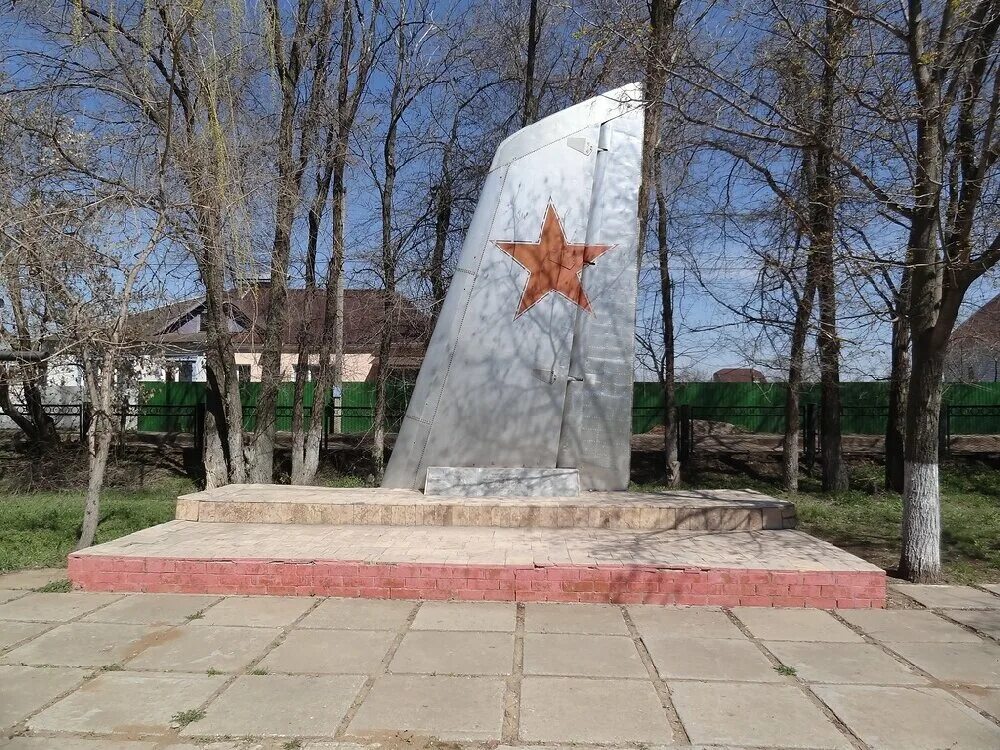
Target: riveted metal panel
[[493, 387], [597, 422]]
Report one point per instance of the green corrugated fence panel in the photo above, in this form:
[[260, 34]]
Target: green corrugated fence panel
[[153, 395], [965, 396], [358, 405], [756, 407]]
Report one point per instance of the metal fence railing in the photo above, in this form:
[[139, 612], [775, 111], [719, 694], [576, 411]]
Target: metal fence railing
[[718, 428]]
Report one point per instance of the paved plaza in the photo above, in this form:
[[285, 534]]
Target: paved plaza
[[82, 671]]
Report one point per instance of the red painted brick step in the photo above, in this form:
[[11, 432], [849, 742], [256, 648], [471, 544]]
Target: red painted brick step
[[557, 583]]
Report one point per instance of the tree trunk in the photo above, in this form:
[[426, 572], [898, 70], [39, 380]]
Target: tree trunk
[[100, 439], [920, 560], [823, 216], [920, 557], [298, 396], [442, 223], [529, 107], [389, 250], [800, 330], [301, 471], [222, 389], [381, 390], [261, 449], [223, 451], [214, 453], [835, 477], [671, 460], [899, 373]]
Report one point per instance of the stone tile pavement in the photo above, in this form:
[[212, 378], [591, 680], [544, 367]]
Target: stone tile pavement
[[179, 672]]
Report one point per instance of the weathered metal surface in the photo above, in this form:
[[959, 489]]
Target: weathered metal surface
[[531, 362]]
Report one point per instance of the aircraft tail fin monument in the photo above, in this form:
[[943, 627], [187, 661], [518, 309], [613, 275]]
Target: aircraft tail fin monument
[[531, 362]]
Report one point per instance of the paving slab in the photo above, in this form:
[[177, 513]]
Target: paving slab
[[7, 594], [78, 743], [127, 703], [15, 632], [358, 614], [31, 578], [440, 652], [757, 715], [597, 619], [994, 587], [330, 652], [279, 705], [857, 663], [907, 626], [188, 649], [484, 616], [24, 690], [448, 708], [960, 663], [795, 625], [582, 655], [948, 597], [151, 609], [709, 659], [85, 644], [897, 718], [568, 709], [683, 622], [986, 621], [257, 611], [987, 699], [54, 607]]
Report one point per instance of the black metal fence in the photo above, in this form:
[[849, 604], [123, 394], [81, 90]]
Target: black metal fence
[[760, 429], [718, 429]]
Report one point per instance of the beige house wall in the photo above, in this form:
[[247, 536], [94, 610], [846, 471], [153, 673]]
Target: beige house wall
[[357, 367]]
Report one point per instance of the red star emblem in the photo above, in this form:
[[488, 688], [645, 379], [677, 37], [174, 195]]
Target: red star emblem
[[552, 263]]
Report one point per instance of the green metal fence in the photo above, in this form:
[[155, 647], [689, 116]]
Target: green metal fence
[[755, 407]]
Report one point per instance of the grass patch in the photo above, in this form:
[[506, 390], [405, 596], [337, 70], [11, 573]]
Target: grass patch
[[258, 671], [39, 529], [55, 587], [183, 718], [866, 520], [212, 672], [295, 744], [112, 668], [786, 670], [195, 615]]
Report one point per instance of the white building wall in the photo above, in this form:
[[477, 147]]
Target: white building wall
[[357, 367]]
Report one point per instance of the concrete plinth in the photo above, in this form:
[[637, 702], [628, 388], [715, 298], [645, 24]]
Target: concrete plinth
[[463, 481], [749, 568]]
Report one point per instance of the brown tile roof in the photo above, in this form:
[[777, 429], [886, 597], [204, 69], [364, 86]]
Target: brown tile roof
[[363, 317], [738, 375], [981, 329]]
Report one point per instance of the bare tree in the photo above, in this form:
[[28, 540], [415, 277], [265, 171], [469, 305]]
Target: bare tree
[[75, 267], [423, 56], [358, 44], [659, 56], [953, 56], [296, 147], [28, 196]]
